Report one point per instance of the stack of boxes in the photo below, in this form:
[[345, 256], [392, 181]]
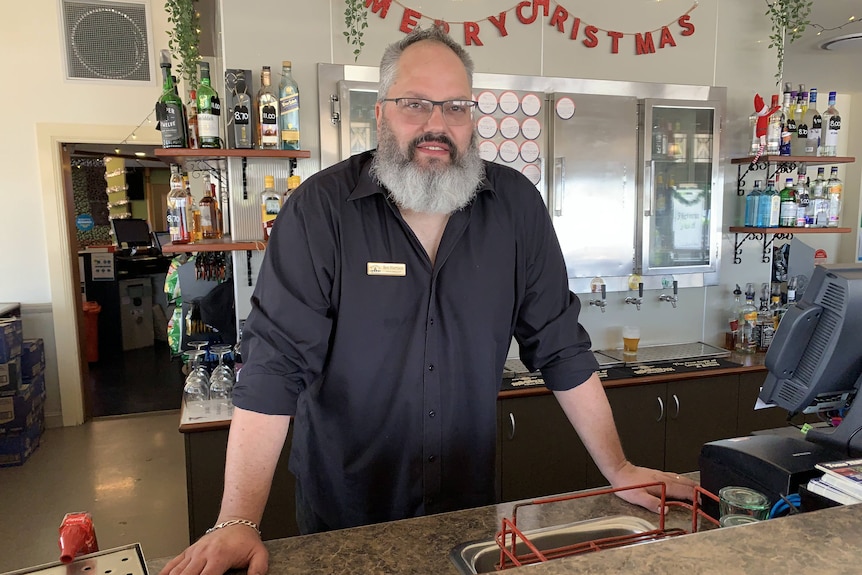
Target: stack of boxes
[[22, 393]]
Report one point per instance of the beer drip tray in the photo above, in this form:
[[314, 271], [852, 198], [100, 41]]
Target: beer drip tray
[[650, 354], [128, 560]]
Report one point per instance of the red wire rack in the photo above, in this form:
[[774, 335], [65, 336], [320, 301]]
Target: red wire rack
[[509, 536]]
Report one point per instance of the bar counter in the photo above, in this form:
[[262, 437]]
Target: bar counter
[[825, 541]]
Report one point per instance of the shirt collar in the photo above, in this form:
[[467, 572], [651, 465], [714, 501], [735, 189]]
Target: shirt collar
[[367, 185]]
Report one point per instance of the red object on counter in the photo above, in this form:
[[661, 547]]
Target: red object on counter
[[77, 536]]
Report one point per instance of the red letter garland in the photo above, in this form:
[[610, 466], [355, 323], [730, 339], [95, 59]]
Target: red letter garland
[[527, 12]]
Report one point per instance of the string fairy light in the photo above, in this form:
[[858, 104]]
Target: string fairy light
[[822, 29]]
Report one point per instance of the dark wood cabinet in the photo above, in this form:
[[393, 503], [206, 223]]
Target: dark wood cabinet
[[539, 451], [664, 425]]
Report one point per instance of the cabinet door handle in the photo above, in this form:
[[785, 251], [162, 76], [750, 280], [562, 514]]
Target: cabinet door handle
[[511, 426], [661, 409], [676, 403]]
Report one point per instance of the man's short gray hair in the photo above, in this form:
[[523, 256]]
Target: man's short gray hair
[[393, 52]]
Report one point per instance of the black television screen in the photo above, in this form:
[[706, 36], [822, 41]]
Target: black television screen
[[815, 360], [131, 232]]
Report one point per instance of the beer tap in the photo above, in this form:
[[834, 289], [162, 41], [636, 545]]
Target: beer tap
[[671, 298], [637, 301], [601, 303]]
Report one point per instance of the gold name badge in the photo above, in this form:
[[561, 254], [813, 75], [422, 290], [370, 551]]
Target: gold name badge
[[385, 269]]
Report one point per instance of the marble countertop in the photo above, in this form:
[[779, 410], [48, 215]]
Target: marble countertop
[[816, 542]]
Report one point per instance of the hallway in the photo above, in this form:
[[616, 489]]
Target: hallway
[[127, 472]]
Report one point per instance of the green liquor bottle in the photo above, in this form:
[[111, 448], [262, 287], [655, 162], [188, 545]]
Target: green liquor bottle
[[209, 110], [169, 109]]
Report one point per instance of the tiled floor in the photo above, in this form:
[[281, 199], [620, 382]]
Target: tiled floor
[[128, 472]]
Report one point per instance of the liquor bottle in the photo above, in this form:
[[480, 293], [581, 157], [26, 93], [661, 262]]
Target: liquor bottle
[[754, 145], [292, 183], [267, 113], [775, 307], [814, 123], [733, 319], [788, 126], [773, 129], [797, 145], [193, 120], [242, 115], [833, 191], [209, 110], [832, 126], [210, 217], [194, 213], [792, 287], [819, 204], [752, 204], [787, 212], [765, 330], [169, 109], [802, 97], [270, 204], [770, 206], [745, 342], [288, 94], [178, 221], [802, 199]]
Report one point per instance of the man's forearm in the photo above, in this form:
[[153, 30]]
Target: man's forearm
[[587, 408], [254, 446]]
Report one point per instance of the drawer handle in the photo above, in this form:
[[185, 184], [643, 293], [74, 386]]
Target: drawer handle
[[661, 409], [676, 403], [511, 426]]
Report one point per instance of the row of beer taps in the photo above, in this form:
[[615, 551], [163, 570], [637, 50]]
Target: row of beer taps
[[637, 301]]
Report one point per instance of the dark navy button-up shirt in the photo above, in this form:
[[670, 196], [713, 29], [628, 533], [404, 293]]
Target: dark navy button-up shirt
[[391, 366]]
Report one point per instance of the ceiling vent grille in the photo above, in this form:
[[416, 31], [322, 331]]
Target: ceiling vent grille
[[106, 40]]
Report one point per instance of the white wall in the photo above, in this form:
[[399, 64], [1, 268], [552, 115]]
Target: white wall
[[727, 49]]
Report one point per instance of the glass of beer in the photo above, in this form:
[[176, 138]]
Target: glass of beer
[[631, 338]]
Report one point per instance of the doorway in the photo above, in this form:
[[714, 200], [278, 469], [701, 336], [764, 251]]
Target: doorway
[[130, 368]]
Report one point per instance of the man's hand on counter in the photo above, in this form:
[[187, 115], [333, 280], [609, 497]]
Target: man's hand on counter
[[678, 487], [234, 547]]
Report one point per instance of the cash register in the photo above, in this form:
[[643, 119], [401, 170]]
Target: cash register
[[136, 254], [815, 367]]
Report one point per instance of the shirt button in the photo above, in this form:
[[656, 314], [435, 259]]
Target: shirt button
[[430, 367], [432, 413], [432, 458], [431, 321]]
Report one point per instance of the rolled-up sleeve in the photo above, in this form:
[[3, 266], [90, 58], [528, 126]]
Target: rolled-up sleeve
[[286, 336], [547, 329]]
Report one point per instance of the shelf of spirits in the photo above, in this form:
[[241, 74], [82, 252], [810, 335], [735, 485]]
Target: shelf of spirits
[[783, 164], [225, 244], [769, 235], [179, 155]]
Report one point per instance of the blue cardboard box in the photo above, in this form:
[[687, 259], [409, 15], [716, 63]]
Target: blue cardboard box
[[10, 377], [32, 359], [20, 411], [16, 448], [11, 339]]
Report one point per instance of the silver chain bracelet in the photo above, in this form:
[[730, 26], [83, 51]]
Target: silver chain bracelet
[[230, 522]]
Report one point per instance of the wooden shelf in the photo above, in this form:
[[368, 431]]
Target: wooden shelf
[[178, 155], [795, 159], [220, 245], [779, 231]]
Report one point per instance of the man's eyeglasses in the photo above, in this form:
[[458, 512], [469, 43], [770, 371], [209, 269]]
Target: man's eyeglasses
[[418, 110]]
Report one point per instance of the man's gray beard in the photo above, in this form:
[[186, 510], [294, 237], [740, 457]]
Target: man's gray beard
[[435, 189]]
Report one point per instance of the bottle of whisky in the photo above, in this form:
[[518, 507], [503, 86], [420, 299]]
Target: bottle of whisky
[[210, 218], [288, 94], [193, 212], [178, 222], [270, 204], [242, 115], [267, 113], [292, 183], [169, 109], [209, 110], [193, 120]]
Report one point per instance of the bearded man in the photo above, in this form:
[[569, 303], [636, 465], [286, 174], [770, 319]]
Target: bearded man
[[391, 288]]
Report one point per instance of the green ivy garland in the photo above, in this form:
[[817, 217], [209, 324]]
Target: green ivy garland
[[789, 20], [356, 21], [184, 38]]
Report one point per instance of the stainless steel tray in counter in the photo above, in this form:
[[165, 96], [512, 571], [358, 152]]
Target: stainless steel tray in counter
[[515, 367], [648, 354]]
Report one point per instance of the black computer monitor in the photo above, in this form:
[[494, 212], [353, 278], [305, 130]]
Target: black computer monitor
[[131, 233], [815, 360]]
